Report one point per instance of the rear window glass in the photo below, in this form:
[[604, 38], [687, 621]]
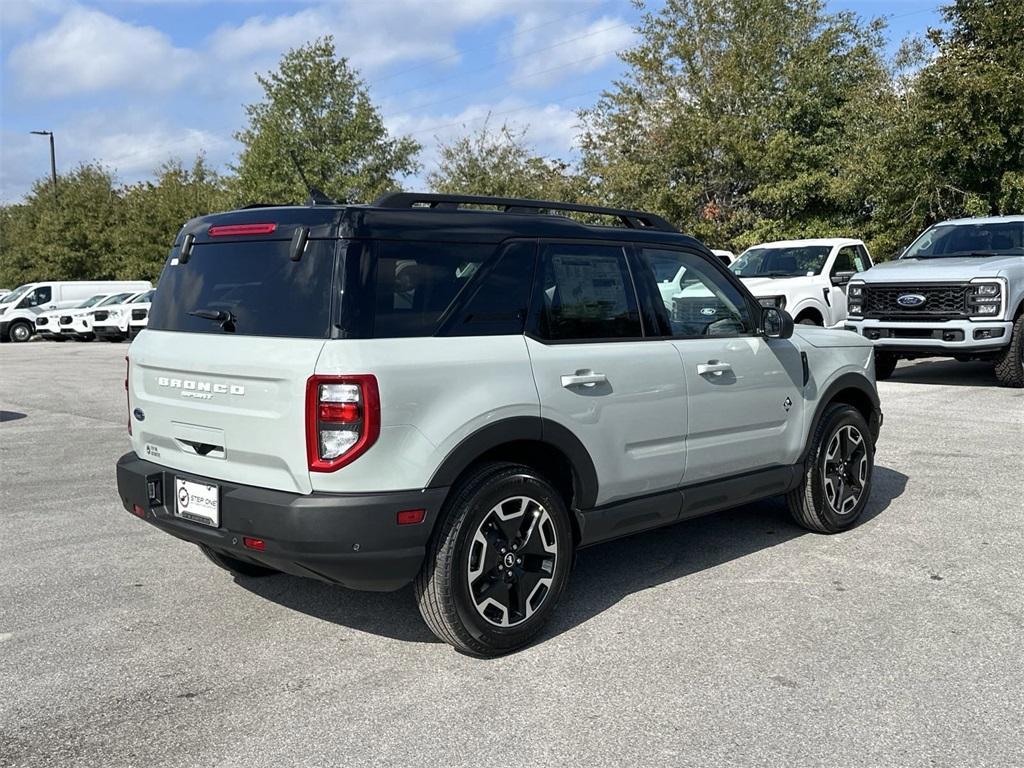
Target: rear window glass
[[255, 284]]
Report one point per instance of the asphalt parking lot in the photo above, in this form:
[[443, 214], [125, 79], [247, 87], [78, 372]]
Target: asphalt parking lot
[[736, 639]]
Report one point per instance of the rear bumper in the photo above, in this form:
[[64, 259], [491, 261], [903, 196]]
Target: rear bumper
[[348, 539], [950, 337]]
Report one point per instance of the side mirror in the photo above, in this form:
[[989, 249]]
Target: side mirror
[[842, 278], [776, 323]]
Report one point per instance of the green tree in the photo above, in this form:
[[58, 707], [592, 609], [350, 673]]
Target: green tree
[[317, 110], [500, 163], [740, 119], [953, 143], [66, 239], [154, 211]]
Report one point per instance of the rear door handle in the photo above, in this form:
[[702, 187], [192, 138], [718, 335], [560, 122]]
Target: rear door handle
[[587, 379], [713, 366]]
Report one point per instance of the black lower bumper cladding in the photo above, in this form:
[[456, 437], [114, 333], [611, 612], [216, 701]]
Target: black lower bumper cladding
[[348, 539]]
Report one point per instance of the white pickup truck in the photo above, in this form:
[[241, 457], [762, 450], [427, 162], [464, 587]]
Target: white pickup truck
[[807, 278]]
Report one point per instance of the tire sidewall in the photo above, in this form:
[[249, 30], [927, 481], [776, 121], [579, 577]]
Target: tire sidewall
[[474, 509], [840, 418], [15, 328]]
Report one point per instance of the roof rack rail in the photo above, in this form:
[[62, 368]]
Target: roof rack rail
[[631, 219]]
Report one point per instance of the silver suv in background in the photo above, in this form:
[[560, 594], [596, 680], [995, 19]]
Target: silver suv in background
[[460, 392], [957, 291]]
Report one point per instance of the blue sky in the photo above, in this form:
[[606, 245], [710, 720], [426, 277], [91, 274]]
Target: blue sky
[[131, 83]]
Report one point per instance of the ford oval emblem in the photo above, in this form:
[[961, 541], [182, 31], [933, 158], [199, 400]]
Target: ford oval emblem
[[139, 414], [911, 300], [709, 311]]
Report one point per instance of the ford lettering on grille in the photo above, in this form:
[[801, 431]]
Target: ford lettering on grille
[[911, 300]]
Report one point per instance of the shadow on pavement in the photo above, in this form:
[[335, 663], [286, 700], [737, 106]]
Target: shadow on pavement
[[952, 373], [11, 416], [604, 574]]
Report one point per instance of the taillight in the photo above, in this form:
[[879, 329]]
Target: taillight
[[127, 394], [342, 419]]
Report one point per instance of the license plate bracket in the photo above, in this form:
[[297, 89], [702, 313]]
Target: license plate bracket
[[197, 502]]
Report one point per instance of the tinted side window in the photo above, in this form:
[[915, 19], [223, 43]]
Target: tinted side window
[[499, 296], [849, 259], [585, 292], [39, 296], [417, 282], [699, 301]]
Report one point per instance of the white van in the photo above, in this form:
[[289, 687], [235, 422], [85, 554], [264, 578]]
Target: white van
[[19, 308]]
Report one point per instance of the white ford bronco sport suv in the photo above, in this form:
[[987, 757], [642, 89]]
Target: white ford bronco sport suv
[[461, 391], [807, 278], [957, 291]]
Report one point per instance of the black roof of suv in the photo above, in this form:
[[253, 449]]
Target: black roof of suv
[[439, 217]]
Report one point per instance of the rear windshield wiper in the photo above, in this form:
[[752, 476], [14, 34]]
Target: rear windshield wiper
[[222, 316]]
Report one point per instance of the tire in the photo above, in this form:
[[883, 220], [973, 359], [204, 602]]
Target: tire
[[1010, 363], [885, 365], [808, 321], [235, 566], [475, 591], [20, 332], [838, 471]]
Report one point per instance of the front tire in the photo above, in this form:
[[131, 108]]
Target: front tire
[[498, 563], [20, 332], [1010, 363], [235, 566], [885, 365], [837, 475]]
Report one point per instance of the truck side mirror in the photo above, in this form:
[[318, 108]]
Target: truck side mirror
[[776, 323], [842, 278]]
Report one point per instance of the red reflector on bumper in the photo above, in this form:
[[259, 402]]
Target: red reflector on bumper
[[411, 516], [137, 510], [258, 544]]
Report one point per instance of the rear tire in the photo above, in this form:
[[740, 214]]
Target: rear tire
[[885, 365], [235, 566], [498, 562], [837, 474], [1010, 363], [808, 321]]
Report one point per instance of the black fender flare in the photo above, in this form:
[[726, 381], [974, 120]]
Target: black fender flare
[[846, 381], [515, 429]]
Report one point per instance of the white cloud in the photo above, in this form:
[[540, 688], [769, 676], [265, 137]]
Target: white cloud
[[551, 130], [564, 50], [89, 51]]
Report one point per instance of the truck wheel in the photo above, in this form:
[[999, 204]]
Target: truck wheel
[[809, 320], [498, 562], [1010, 363], [885, 364], [234, 565], [837, 475], [20, 332]]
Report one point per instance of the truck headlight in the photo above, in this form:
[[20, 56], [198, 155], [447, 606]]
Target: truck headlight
[[855, 299], [779, 302], [985, 299]]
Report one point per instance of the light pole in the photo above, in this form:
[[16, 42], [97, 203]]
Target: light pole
[[53, 158]]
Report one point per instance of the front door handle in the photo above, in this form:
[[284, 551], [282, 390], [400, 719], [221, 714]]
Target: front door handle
[[713, 366], [584, 378]]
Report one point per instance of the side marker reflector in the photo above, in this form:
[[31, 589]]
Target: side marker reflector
[[258, 544], [411, 516]]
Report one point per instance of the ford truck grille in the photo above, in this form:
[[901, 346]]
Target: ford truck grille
[[100, 315], [942, 302], [139, 314], [65, 320]]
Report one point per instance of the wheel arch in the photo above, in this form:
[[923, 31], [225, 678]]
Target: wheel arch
[[852, 389], [809, 308], [531, 440]]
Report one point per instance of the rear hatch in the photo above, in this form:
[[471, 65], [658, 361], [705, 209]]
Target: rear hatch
[[222, 394]]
